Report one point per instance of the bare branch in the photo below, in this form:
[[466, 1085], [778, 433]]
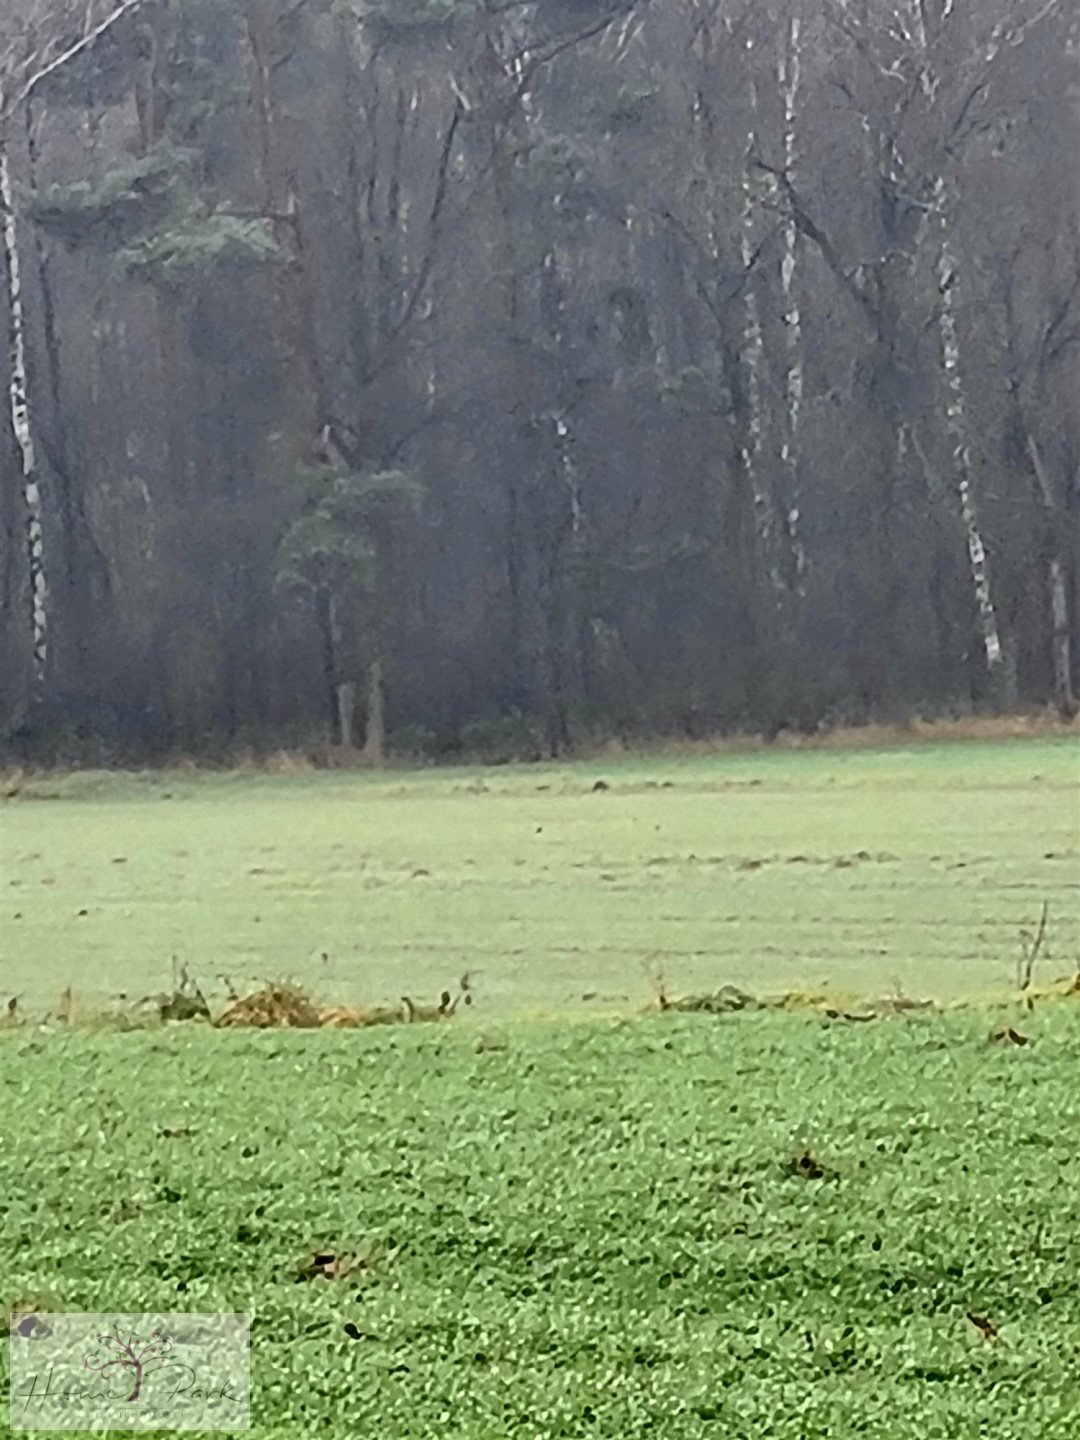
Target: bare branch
[[434, 220], [1031, 952], [813, 232], [127, 7]]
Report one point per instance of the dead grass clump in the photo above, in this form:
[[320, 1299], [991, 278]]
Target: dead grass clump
[[329, 1265], [1047, 721], [284, 1006], [725, 1001], [903, 1005], [357, 1017], [11, 782], [274, 1007], [801, 1000], [416, 1013], [288, 762], [1063, 990]]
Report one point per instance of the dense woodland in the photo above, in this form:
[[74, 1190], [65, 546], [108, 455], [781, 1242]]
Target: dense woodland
[[442, 374]]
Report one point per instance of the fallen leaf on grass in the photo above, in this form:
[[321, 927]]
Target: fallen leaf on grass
[[1007, 1036], [986, 1328], [329, 1265]]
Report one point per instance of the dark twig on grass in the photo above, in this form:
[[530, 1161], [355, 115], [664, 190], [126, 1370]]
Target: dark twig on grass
[[660, 986], [1030, 952]]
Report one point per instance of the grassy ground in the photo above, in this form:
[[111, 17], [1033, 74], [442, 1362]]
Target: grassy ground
[[853, 869], [578, 1230], [573, 1228]]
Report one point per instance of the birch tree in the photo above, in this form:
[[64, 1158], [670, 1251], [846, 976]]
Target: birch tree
[[753, 346], [933, 68], [789, 77], [24, 69]]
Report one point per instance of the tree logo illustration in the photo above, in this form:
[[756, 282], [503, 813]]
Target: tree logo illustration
[[134, 1353]]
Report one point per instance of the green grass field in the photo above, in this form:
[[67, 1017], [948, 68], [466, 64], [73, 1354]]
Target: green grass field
[[578, 1229], [575, 1226], [856, 870]]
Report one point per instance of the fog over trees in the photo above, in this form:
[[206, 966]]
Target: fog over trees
[[466, 373]]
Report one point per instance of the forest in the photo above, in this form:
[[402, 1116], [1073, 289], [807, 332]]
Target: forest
[[490, 376]]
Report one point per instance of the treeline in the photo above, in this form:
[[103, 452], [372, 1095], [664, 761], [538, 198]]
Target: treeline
[[431, 374]]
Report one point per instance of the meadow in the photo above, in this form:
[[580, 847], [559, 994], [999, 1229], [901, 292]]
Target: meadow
[[915, 867], [559, 1215], [760, 1225]]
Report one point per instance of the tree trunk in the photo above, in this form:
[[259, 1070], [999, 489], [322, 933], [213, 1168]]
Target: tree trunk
[[331, 638], [789, 76], [1064, 695], [1001, 674], [753, 341], [375, 736], [276, 165], [85, 582], [22, 426], [346, 711]]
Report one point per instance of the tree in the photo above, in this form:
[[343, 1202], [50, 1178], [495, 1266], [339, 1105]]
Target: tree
[[28, 65], [736, 345], [337, 558]]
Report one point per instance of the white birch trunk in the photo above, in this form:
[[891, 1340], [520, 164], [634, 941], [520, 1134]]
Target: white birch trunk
[[22, 426], [570, 477], [375, 736], [753, 340], [18, 387], [956, 420], [790, 76]]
